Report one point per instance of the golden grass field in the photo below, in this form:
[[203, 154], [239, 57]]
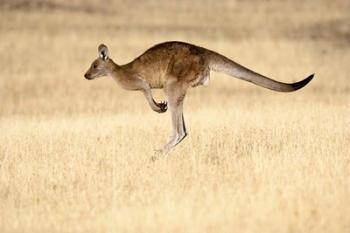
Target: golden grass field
[[75, 154]]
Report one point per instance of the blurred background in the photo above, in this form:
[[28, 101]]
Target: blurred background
[[75, 154], [47, 45]]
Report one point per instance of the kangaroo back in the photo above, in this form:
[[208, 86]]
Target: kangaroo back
[[220, 63]]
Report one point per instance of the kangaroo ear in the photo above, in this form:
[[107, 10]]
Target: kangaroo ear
[[103, 51]]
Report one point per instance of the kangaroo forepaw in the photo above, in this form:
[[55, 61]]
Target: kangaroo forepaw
[[162, 107]]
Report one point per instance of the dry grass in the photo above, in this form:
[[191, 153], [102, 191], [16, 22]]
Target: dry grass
[[74, 155]]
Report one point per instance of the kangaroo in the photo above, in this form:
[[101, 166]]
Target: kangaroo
[[175, 67]]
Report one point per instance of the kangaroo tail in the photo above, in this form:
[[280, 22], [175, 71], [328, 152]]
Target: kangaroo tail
[[220, 63]]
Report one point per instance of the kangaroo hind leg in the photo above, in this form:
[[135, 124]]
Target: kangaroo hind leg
[[176, 96]]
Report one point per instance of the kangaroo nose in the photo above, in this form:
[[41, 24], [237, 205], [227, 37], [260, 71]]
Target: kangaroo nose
[[86, 76]]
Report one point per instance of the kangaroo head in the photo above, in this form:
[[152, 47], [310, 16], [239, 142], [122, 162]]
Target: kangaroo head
[[100, 66]]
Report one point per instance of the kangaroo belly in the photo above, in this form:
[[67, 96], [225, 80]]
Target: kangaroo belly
[[201, 79], [155, 79]]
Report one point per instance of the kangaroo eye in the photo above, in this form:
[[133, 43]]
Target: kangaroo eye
[[95, 66]]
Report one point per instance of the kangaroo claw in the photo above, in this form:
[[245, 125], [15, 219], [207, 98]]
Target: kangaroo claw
[[163, 106]]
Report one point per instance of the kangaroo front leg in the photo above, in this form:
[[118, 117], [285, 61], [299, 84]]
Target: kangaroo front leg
[[158, 107]]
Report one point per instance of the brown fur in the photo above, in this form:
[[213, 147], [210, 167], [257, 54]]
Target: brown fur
[[176, 66]]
